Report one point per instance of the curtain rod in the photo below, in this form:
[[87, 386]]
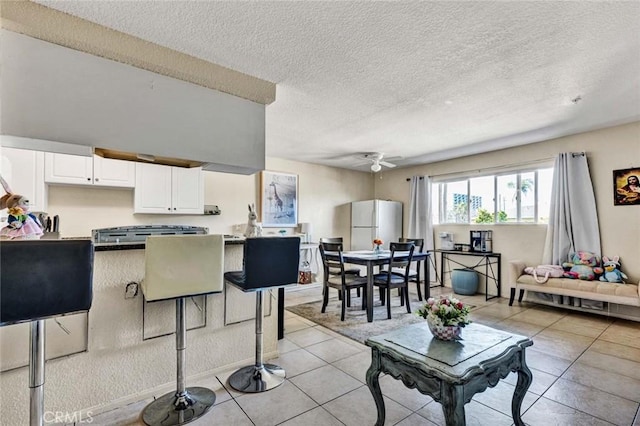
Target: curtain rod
[[419, 177], [504, 166]]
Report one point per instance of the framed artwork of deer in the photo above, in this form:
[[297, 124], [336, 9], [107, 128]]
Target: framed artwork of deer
[[279, 199]]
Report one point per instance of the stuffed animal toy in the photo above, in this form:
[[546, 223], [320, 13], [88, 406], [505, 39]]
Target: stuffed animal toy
[[542, 273], [21, 223], [583, 265], [254, 229], [612, 272]]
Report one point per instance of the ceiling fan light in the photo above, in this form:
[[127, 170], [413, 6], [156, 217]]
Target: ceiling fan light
[[375, 167]]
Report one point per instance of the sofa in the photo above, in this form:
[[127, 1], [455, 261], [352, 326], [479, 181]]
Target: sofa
[[566, 291]]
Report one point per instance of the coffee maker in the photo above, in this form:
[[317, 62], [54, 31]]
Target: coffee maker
[[481, 241], [446, 241]]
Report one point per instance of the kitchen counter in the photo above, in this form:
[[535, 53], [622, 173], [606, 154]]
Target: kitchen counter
[[141, 245]]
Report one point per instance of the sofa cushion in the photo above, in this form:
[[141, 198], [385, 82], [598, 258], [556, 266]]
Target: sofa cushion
[[595, 290]]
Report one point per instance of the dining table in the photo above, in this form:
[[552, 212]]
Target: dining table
[[371, 259]]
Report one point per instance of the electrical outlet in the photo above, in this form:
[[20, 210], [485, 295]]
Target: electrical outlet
[[131, 290]]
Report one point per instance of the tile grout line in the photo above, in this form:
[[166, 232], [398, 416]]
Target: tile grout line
[[563, 372], [572, 363], [572, 381]]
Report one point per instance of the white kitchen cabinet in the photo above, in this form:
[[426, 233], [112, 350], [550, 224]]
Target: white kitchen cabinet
[[97, 171], [110, 172], [168, 190], [23, 170]]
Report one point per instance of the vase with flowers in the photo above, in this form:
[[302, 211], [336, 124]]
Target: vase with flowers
[[445, 316], [376, 245]]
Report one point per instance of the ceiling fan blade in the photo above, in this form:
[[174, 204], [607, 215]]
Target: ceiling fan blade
[[394, 158], [386, 164]]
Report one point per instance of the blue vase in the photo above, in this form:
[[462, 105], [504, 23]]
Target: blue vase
[[464, 281]]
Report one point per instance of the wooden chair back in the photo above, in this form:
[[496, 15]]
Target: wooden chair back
[[418, 242], [404, 262]]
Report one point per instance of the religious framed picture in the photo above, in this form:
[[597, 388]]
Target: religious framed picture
[[278, 199], [626, 187]]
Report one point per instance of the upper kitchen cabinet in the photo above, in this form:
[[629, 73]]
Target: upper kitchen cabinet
[[168, 190], [24, 172], [78, 170]]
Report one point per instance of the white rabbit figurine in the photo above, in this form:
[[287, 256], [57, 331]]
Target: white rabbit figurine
[[254, 229]]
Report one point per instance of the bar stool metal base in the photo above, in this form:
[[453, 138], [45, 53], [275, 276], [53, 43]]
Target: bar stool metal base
[[255, 378], [175, 409]]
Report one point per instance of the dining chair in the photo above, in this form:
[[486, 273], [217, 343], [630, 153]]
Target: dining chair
[[336, 277], [353, 271], [348, 271], [401, 255], [414, 274]]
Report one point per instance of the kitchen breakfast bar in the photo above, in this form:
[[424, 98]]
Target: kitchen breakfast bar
[[129, 342]]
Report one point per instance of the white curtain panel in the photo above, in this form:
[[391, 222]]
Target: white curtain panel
[[573, 219], [420, 223]]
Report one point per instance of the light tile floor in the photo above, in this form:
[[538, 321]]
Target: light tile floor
[[586, 371]]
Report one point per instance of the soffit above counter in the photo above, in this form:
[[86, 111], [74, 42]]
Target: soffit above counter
[[54, 93], [60, 28], [10, 141]]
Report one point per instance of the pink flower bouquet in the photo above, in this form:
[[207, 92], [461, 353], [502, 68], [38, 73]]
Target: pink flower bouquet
[[445, 311]]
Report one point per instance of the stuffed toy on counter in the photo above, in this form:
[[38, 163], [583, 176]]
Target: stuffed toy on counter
[[21, 224], [254, 229]]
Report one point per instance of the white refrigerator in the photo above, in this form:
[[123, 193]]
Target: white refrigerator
[[375, 219]]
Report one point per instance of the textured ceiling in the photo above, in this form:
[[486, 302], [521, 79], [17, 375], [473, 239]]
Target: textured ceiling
[[421, 80]]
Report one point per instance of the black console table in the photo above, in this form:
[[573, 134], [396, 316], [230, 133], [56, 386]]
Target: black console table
[[490, 261]]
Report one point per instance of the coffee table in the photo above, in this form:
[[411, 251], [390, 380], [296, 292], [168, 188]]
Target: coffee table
[[449, 372]]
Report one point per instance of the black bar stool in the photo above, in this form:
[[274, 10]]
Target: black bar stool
[[176, 267], [268, 263], [39, 280]]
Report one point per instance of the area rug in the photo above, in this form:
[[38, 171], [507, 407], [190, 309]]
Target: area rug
[[355, 325]]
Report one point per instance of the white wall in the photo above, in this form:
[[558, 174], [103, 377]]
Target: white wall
[[607, 150], [324, 193]]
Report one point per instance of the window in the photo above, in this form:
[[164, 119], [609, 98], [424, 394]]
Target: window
[[513, 197], [482, 205], [455, 202]]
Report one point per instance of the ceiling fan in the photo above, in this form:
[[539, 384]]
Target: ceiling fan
[[376, 159]]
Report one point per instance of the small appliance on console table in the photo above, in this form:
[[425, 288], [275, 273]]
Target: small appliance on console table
[[136, 235]]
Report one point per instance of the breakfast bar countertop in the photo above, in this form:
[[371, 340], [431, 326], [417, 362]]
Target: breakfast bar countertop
[[140, 245]]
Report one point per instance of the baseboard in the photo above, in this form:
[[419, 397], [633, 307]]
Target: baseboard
[[164, 388], [301, 287]]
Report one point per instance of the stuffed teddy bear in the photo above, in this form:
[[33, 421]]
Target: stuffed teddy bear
[[611, 272], [583, 265], [21, 223]]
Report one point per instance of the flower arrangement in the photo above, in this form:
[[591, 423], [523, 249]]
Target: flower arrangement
[[378, 242], [445, 311]]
